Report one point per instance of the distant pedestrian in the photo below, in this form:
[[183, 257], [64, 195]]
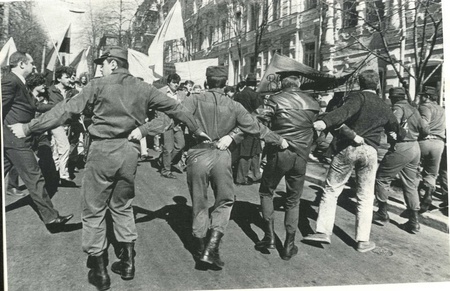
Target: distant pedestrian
[[366, 115]]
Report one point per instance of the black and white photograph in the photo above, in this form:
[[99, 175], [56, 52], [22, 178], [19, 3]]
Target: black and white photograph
[[224, 145]]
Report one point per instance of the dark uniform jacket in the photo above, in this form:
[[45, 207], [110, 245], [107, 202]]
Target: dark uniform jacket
[[119, 104], [291, 114], [410, 120]]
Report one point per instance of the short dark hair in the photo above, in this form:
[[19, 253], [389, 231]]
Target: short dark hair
[[290, 82], [17, 57], [368, 80], [63, 70], [173, 77], [35, 79], [216, 82], [121, 63], [229, 89], [189, 82]]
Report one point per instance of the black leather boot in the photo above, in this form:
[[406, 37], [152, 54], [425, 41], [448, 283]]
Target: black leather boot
[[427, 199], [199, 247], [125, 267], [412, 225], [290, 249], [268, 241], [381, 216], [98, 275], [211, 253]]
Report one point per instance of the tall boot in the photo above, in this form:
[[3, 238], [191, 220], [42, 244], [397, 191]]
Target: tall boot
[[98, 275], [412, 225], [290, 249], [381, 216], [427, 199], [211, 253], [268, 241], [125, 267], [199, 247]]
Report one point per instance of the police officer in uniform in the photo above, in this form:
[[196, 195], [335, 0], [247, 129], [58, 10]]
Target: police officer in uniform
[[210, 162], [120, 103]]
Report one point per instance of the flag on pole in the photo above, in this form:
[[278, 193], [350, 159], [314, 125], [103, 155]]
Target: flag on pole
[[80, 63], [7, 50], [63, 46], [172, 28], [195, 70], [139, 66]]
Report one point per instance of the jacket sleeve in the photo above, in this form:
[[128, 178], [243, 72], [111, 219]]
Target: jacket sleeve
[[340, 115], [156, 126], [426, 115], [8, 92]]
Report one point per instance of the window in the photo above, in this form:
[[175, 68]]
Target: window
[[211, 36], [223, 29], [349, 14], [200, 40], [309, 4], [286, 7], [309, 56], [374, 11], [253, 16], [275, 9]]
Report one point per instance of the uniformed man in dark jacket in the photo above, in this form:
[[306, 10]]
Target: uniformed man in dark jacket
[[210, 162], [120, 104], [403, 160], [291, 114]]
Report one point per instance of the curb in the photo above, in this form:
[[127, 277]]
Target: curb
[[396, 206]]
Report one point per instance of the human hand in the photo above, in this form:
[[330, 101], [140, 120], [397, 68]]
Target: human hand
[[224, 142], [284, 144], [17, 130], [359, 140], [393, 135], [319, 125], [136, 134]]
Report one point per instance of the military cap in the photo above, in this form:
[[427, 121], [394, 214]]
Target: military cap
[[428, 90], [251, 80], [113, 51], [397, 92], [217, 71]]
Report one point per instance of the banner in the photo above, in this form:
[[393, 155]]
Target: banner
[[63, 46], [80, 63], [195, 70], [139, 66], [7, 50]]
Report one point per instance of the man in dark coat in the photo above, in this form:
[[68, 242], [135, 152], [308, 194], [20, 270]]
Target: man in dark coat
[[250, 148]]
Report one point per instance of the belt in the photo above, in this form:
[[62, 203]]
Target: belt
[[403, 141], [430, 136], [95, 138], [206, 145]]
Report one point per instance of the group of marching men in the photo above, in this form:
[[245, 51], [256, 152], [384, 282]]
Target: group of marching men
[[118, 105]]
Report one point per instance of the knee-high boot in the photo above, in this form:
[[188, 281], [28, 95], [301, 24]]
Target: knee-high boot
[[268, 241], [427, 199], [412, 225], [98, 275], [125, 267], [211, 252], [290, 249]]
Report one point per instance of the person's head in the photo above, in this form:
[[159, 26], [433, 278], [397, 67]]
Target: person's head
[[368, 80], [251, 81], [21, 63], [84, 79], [112, 59], [197, 88], [229, 91], [65, 76], [290, 82], [428, 93], [216, 76], [189, 85], [397, 94], [36, 83], [173, 81]]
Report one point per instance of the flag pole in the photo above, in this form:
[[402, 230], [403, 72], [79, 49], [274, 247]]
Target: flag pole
[[48, 30], [43, 60]]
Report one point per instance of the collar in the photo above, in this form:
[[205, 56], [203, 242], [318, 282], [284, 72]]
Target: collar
[[20, 77]]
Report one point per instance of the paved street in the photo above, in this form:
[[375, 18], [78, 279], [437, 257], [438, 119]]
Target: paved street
[[38, 260]]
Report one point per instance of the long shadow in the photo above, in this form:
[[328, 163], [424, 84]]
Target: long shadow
[[21, 203], [245, 214], [69, 227]]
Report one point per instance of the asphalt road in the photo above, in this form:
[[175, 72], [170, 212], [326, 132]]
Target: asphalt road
[[38, 260]]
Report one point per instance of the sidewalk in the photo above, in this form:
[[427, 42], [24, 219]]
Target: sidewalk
[[436, 218]]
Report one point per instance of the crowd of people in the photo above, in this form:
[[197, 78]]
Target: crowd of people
[[218, 135]]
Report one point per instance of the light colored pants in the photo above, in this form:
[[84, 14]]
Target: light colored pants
[[364, 159], [61, 150]]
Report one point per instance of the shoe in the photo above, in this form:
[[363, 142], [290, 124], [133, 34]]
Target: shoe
[[169, 176], [268, 241], [211, 253], [290, 249], [67, 182], [365, 246], [16, 192], [98, 275], [318, 237], [199, 247], [381, 217], [60, 220], [313, 158], [427, 199], [125, 267], [412, 225]]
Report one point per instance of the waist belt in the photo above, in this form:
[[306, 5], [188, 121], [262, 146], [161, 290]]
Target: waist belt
[[206, 145], [403, 141], [96, 138], [430, 136]]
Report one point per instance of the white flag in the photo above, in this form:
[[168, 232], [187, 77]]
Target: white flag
[[7, 50], [62, 47], [172, 28]]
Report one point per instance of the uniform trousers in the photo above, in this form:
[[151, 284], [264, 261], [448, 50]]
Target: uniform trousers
[[291, 166], [108, 183], [403, 161], [431, 153], [173, 145], [25, 162], [364, 160], [204, 166]]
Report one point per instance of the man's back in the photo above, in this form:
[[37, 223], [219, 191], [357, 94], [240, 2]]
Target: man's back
[[435, 116], [248, 98], [17, 105]]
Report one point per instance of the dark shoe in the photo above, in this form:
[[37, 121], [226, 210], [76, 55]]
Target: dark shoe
[[16, 192], [365, 246], [169, 176], [427, 199], [381, 217], [290, 249], [125, 267], [67, 182], [199, 247], [412, 225], [60, 220], [211, 253], [245, 183], [98, 275], [268, 241], [318, 237]]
